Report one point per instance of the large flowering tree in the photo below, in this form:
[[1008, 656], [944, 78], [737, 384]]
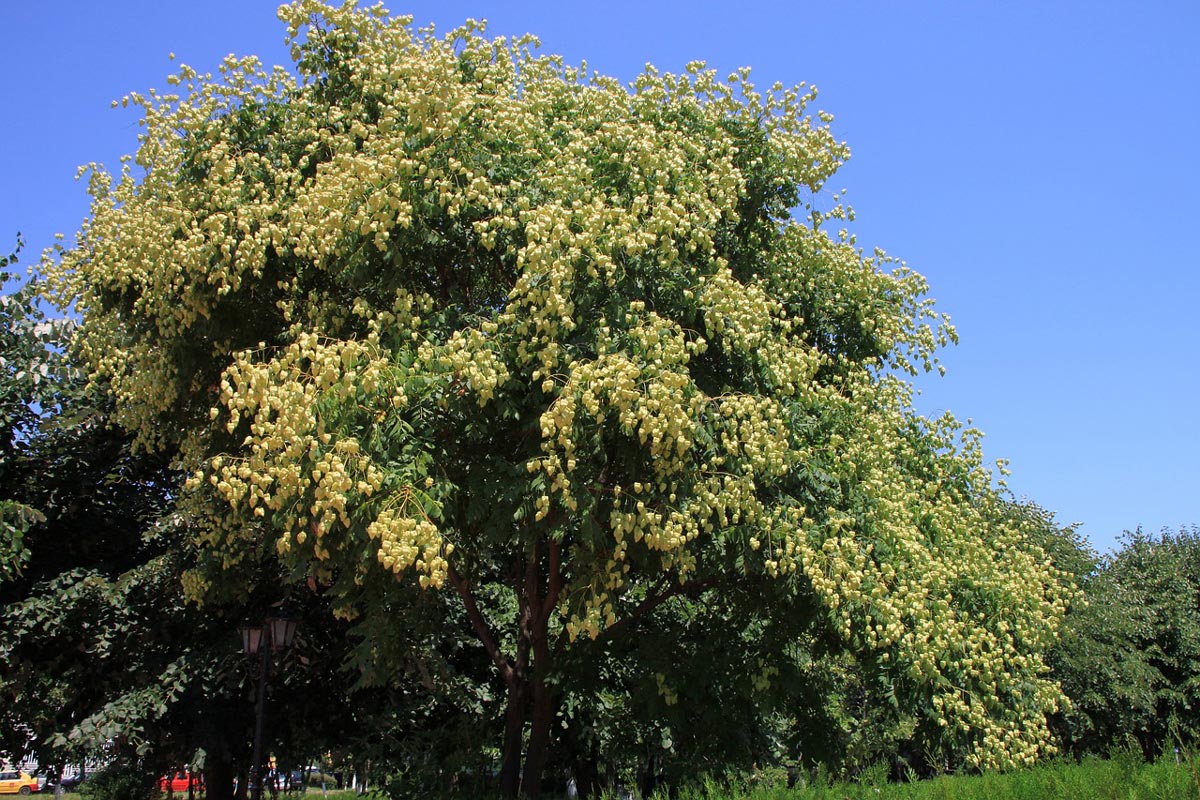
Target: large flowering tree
[[443, 311]]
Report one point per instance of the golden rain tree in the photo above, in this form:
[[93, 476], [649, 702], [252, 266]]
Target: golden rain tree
[[442, 310]]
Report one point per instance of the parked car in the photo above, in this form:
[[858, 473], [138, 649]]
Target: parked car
[[179, 782], [69, 782], [17, 782]]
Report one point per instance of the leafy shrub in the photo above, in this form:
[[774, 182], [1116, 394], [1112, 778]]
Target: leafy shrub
[[119, 781]]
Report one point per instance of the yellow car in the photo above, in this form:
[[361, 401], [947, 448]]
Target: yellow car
[[17, 783]]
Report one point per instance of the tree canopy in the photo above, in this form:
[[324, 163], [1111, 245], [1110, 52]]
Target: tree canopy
[[30, 366], [439, 312], [1129, 656]]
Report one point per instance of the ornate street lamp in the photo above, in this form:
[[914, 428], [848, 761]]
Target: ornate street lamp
[[273, 636]]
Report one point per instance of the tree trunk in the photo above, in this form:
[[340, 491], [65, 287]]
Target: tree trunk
[[539, 740], [243, 782], [514, 729], [647, 776], [587, 774], [218, 779], [523, 685], [542, 712], [584, 760]]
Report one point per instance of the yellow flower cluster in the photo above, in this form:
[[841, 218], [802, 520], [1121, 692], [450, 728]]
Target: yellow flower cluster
[[195, 585], [761, 680], [292, 465], [757, 327], [405, 542], [473, 361], [640, 382], [933, 573], [597, 611]]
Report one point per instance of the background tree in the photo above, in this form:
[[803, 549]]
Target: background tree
[[442, 313], [29, 366], [94, 619], [1129, 658], [87, 552], [101, 657]]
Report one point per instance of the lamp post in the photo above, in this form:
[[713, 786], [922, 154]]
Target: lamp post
[[274, 635]]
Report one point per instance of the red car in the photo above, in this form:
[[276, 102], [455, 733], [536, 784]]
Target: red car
[[180, 782]]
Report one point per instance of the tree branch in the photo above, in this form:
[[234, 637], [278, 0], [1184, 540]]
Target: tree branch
[[531, 581], [555, 579], [654, 600], [527, 609], [482, 631]]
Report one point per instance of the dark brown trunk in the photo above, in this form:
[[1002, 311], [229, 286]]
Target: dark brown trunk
[[587, 774], [647, 776], [584, 761], [243, 783], [529, 696], [541, 718], [218, 779], [539, 740], [514, 729], [542, 712]]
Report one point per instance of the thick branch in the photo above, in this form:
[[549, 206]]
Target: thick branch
[[482, 631], [531, 581], [528, 607], [655, 599], [555, 581]]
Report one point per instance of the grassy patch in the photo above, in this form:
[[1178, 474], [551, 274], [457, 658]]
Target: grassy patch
[[1123, 777], [1118, 778]]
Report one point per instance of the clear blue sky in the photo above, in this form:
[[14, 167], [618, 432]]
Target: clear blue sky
[[1037, 161]]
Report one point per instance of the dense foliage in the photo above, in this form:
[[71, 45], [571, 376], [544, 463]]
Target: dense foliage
[[77, 657], [101, 657], [29, 367], [565, 378], [1129, 657]]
